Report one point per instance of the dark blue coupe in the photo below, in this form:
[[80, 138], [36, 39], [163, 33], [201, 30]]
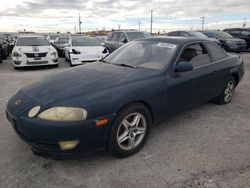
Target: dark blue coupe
[[112, 103]]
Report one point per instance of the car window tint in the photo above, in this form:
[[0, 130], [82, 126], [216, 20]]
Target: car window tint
[[174, 34], [115, 36], [85, 41], [122, 37], [234, 32], [246, 33], [210, 35], [32, 41], [109, 36], [195, 54], [183, 34], [216, 51]]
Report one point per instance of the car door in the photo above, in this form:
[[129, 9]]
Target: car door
[[219, 61], [187, 89]]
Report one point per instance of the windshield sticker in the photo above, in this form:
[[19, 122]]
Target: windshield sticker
[[166, 45]]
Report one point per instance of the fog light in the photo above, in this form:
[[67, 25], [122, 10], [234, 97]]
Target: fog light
[[17, 62], [68, 145]]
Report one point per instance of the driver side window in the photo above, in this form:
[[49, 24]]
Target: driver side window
[[196, 54], [122, 37]]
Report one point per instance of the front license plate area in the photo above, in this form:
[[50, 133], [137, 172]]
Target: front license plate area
[[10, 118], [37, 58]]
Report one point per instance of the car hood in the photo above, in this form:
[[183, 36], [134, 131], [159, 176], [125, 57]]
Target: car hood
[[84, 80], [236, 40], [89, 49], [35, 49]]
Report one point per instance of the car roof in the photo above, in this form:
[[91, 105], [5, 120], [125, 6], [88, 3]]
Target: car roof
[[237, 28], [29, 35], [174, 40]]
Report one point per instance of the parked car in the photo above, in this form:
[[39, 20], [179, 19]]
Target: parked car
[[1, 53], [101, 39], [116, 39], [4, 49], [60, 43], [192, 34], [242, 33], [33, 50], [228, 42], [113, 103], [52, 37], [83, 50]]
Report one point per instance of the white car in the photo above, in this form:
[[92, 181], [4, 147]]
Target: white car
[[33, 50], [83, 50], [52, 37]]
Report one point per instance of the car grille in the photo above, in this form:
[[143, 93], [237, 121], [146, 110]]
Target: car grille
[[37, 62], [33, 55], [240, 43]]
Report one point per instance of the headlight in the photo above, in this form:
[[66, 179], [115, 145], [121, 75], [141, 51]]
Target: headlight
[[34, 111], [74, 51], [16, 54], [54, 53], [63, 114]]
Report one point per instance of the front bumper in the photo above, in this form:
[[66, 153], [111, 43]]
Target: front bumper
[[43, 136], [78, 59], [236, 48], [27, 62]]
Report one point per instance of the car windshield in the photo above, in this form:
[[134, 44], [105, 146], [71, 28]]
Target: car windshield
[[135, 35], [63, 40], [53, 37], [197, 34], [85, 41], [224, 35], [32, 41], [147, 54]]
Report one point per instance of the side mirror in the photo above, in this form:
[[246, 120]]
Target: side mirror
[[125, 41], [105, 51], [184, 67]]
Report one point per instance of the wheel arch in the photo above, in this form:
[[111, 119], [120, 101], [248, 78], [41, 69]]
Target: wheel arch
[[142, 102], [236, 78]]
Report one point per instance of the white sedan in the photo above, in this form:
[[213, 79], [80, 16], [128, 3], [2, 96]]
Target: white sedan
[[33, 50], [83, 50]]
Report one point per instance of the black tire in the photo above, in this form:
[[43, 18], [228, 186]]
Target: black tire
[[145, 119], [222, 99], [56, 65]]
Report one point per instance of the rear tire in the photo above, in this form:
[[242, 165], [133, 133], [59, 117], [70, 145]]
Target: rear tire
[[226, 95], [130, 130]]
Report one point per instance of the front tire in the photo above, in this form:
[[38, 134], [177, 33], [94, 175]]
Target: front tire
[[130, 130], [226, 96]]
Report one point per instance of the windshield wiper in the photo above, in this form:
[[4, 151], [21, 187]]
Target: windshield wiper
[[104, 61], [125, 65]]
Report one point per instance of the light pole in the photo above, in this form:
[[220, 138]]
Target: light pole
[[139, 23], [80, 22], [244, 22], [151, 25], [202, 22]]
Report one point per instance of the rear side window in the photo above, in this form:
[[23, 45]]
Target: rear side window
[[122, 37], [115, 36], [109, 36], [196, 54], [216, 51], [183, 34]]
